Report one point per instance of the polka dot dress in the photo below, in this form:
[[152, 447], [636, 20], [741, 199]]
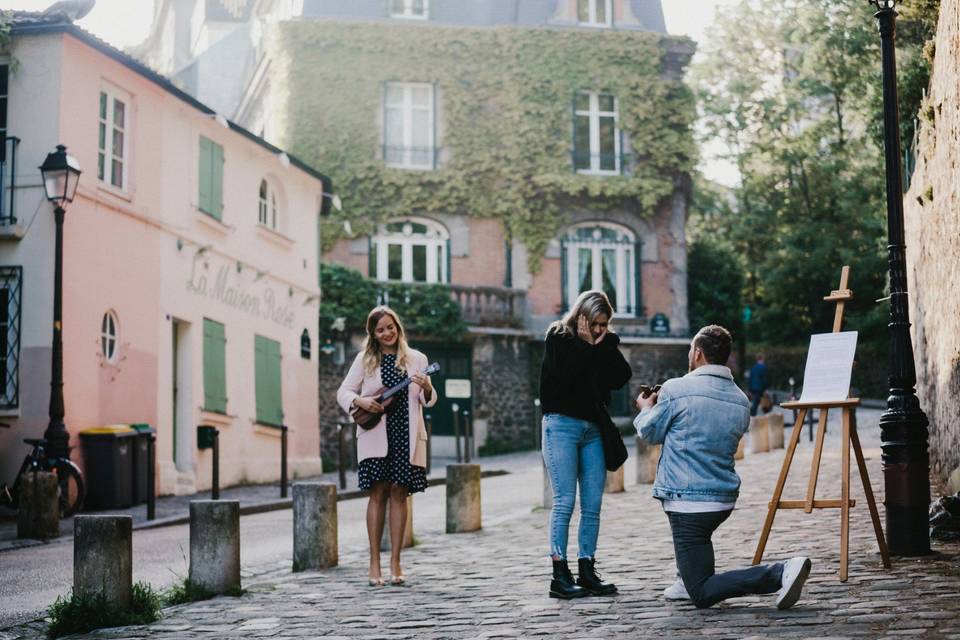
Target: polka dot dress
[[396, 467]]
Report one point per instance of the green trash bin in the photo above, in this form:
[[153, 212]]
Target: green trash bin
[[141, 461], [108, 466]]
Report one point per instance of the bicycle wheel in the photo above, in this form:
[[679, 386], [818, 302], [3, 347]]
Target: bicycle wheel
[[72, 490]]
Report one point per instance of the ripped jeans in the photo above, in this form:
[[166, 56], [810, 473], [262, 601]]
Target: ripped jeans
[[573, 452]]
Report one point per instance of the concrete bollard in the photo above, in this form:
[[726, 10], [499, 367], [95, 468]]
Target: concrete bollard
[[463, 498], [38, 514], [741, 449], [614, 482], [314, 526], [407, 529], [215, 544], [775, 426], [103, 558], [648, 457], [759, 435], [547, 488]]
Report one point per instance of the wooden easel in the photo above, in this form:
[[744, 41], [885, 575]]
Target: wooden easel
[[848, 437]]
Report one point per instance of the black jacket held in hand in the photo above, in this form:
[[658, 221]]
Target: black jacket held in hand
[[574, 375]]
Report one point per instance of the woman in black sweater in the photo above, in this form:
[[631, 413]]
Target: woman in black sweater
[[581, 366]]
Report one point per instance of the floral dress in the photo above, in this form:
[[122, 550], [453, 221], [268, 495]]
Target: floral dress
[[395, 467]]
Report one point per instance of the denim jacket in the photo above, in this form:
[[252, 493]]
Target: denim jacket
[[699, 419]]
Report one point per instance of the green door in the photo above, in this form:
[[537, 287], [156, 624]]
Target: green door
[[456, 377]]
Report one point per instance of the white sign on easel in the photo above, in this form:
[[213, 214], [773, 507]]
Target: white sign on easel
[[826, 377]]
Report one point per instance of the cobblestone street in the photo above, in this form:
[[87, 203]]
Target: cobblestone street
[[493, 584]]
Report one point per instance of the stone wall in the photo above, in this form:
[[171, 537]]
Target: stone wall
[[933, 251], [506, 373]]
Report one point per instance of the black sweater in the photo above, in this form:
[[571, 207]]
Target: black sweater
[[574, 375]]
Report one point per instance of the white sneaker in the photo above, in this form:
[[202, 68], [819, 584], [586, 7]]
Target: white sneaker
[[676, 591], [795, 572]]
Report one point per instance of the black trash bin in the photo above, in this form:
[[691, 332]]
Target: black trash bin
[[108, 465], [141, 461]]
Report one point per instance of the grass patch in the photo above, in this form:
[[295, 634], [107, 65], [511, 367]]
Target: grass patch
[[81, 614], [188, 591]]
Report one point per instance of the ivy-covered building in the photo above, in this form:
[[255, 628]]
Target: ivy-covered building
[[515, 152]]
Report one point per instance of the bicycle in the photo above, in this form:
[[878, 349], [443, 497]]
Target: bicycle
[[71, 490]]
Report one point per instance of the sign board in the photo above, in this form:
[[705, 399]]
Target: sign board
[[457, 388], [660, 324], [826, 377]]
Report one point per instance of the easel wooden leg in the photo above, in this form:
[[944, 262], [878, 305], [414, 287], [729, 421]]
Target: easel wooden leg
[[781, 481], [871, 503], [815, 464], [845, 496]]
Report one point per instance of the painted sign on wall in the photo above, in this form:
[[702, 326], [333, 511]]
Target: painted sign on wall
[[228, 290]]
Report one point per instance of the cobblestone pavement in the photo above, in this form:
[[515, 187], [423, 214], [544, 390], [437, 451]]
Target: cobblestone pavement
[[493, 584]]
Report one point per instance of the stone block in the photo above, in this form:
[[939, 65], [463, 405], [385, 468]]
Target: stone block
[[314, 525], [648, 457], [38, 513], [407, 529], [103, 558], [759, 434], [614, 482], [215, 544], [463, 498], [775, 427]]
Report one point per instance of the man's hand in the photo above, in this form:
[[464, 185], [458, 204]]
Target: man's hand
[[645, 402]]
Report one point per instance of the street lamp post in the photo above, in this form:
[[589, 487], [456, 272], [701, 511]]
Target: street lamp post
[[61, 174], [903, 426]]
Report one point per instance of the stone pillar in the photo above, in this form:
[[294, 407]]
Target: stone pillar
[[314, 525], [407, 529], [547, 489], [614, 482], [741, 448], [775, 426], [463, 498], [38, 513], [215, 544], [648, 457], [759, 435], [103, 558]]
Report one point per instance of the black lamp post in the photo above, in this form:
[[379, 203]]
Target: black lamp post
[[61, 174], [903, 426]]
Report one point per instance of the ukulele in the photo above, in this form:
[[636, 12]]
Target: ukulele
[[387, 399]]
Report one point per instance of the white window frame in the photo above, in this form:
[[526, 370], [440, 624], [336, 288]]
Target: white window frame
[[407, 160], [408, 12], [106, 180], [268, 212], [110, 340], [626, 264], [593, 114], [435, 241], [592, 6]]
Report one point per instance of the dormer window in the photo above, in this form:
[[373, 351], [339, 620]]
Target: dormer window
[[410, 9], [595, 13]]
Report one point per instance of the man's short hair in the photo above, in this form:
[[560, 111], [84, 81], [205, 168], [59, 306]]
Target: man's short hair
[[715, 342]]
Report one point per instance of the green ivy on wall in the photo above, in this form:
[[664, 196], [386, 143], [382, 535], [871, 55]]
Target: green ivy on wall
[[504, 106]]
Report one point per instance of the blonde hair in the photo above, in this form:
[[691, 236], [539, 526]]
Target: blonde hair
[[590, 304], [372, 355]]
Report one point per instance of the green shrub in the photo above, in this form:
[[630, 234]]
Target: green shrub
[[185, 591], [81, 614]]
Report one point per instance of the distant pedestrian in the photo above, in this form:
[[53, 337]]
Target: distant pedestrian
[[581, 366], [699, 419], [392, 455], [758, 383]]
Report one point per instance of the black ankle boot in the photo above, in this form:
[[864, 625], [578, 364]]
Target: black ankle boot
[[562, 586], [589, 579]]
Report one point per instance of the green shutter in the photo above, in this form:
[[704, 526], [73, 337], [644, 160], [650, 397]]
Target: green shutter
[[205, 179], [214, 367], [216, 172], [268, 381]]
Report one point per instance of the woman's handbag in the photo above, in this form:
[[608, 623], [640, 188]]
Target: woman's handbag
[[386, 397], [614, 451]]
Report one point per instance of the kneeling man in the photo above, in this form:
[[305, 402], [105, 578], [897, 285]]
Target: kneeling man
[[699, 419]]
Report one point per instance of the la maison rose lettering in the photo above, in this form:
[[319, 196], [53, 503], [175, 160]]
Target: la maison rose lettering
[[234, 295]]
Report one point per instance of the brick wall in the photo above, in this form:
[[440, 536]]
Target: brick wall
[[485, 264]]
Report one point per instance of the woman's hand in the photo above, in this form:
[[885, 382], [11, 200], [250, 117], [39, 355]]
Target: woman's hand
[[424, 383], [368, 404], [583, 329]]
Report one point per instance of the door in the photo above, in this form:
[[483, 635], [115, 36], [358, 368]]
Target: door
[[182, 432], [454, 379]]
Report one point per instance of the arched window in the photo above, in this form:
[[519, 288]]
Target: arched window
[[268, 212], [603, 256], [410, 250], [109, 335]]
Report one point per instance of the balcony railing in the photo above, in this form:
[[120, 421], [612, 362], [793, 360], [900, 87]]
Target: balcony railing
[[8, 172], [491, 306]]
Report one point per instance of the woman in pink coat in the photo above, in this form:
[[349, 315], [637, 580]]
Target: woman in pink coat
[[393, 454]]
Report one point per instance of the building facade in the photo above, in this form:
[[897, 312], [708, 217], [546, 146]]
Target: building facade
[[190, 282]]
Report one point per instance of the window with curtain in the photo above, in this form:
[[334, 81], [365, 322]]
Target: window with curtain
[[410, 250], [595, 13], [408, 136], [602, 256], [596, 134], [112, 140]]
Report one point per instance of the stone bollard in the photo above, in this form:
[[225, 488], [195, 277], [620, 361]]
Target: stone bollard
[[38, 513], [215, 545], [463, 498], [407, 529], [741, 448], [547, 488], [614, 482], [314, 526], [648, 457], [103, 558], [759, 435], [775, 426]]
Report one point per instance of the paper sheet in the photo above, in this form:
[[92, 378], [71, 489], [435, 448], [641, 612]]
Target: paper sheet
[[826, 377]]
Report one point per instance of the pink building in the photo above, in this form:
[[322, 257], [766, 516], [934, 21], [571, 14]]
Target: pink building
[[190, 266]]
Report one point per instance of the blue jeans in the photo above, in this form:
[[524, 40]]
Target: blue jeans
[[573, 452]]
